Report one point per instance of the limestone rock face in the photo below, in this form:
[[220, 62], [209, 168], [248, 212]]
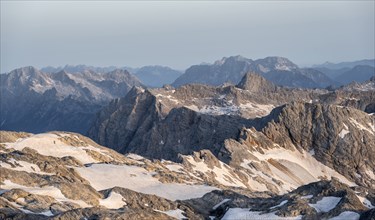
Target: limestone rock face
[[340, 137]]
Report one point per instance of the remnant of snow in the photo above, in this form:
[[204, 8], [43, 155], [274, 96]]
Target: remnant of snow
[[360, 126], [344, 131], [326, 204], [230, 109], [244, 214], [177, 213], [347, 215], [44, 191], [293, 168], [48, 144], [105, 176], [175, 168], [113, 201], [46, 213], [134, 156], [24, 166], [366, 202], [220, 203], [223, 175], [307, 197], [279, 205]]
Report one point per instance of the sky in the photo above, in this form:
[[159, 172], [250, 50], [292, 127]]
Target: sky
[[183, 33]]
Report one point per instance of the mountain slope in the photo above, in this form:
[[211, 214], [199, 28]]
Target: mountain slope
[[367, 62], [357, 74], [35, 101]]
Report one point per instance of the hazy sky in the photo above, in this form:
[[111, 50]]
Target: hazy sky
[[180, 34]]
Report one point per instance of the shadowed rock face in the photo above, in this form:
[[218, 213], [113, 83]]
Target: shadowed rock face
[[255, 83], [138, 126], [35, 101]]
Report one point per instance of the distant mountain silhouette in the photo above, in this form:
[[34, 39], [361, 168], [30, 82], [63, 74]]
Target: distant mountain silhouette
[[278, 70]]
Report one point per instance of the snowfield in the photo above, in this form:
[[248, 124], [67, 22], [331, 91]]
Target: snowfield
[[326, 204], [105, 176]]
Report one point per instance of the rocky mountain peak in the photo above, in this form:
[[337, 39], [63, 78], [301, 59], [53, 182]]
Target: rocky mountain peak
[[255, 83], [232, 59], [277, 63]]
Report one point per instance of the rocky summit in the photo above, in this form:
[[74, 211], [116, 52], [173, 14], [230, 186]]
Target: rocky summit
[[254, 150]]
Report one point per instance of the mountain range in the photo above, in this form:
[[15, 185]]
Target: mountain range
[[278, 70], [237, 139], [152, 76], [36, 101]]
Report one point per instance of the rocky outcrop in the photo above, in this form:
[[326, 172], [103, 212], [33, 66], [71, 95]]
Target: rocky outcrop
[[340, 137], [299, 202], [136, 124], [255, 83]]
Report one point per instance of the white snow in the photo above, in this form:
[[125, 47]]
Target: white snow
[[25, 166], [366, 202], [326, 204], [301, 168], [230, 109], [244, 214], [279, 205], [347, 215], [134, 156], [312, 152], [44, 191], [307, 197], [344, 131], [113, 201], [48, 144], [360, 126], [175, 168], [222, 174], [220, 203], [177, 213], [105, 176], [46, 213]]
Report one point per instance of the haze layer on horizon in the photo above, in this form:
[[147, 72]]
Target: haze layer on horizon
[[180, 33]]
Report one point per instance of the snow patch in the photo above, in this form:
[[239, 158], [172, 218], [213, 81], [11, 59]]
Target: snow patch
[[177, 213], [105, 176], [49, 145], [220, 203], [344, 131], [113, 201], [307, 197], [365, 202], [347, 215], [222, 173], [279, 205], [326, 204], [44, 191], [360, 126], [25, 166]]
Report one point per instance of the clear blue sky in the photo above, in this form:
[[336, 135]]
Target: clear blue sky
[[180, 34]]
